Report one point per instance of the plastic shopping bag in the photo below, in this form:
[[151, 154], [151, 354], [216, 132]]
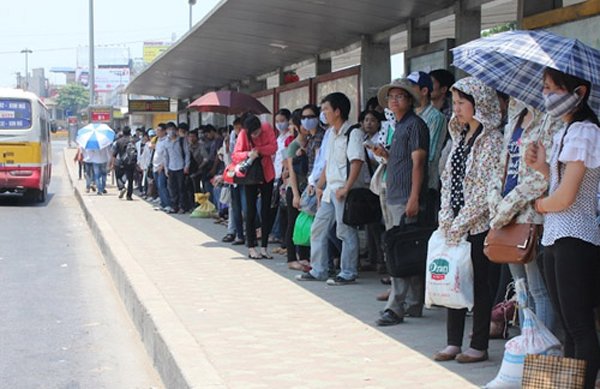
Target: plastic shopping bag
[[205, 209], [449, 278], [535, 338], [302, 228]]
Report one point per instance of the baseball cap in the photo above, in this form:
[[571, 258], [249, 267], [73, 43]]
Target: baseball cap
[[422, 79]]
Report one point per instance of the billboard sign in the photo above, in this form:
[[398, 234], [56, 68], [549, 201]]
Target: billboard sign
[[153, 50], [149, 105]]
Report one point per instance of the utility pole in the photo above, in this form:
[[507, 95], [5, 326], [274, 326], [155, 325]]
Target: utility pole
[[91, 75], [191, 2], [26, 52]]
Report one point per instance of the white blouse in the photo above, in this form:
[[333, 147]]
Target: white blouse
[[582, 143]]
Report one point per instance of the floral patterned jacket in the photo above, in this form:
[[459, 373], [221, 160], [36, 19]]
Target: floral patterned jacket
[[531, 184], [481, 166]]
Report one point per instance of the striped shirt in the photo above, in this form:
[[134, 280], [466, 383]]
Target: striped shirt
[[410, 134]]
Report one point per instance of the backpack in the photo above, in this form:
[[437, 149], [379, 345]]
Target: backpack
[[129, 157]]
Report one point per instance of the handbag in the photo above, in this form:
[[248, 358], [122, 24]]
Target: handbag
[[225, 197], [361, 206], [405, 248], [253, 174], [302, 227], [550, 372], [513, 243]]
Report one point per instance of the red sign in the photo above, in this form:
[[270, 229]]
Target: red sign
[[72, 120], [100, 116]]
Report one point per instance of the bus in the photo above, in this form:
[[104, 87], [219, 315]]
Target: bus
[[25, 150]]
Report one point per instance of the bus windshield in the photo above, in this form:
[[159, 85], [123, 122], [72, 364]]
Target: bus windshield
[[15, 114]]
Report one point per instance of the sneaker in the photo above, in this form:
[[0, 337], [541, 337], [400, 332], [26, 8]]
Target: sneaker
[[306, 277], [129, 199], [180, 211], [156, 200], [168, 209], [104, 191], [228, 238], [122, 193], [389, 318], [87, 190], [99, 193], [339, 281], [93, 188]]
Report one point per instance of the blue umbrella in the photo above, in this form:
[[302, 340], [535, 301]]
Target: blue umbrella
[[95, 136], [513, 62]]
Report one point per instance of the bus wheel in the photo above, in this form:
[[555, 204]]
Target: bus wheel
[[42, 195]]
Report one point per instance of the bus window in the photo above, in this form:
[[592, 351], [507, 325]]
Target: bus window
[[15, 114]]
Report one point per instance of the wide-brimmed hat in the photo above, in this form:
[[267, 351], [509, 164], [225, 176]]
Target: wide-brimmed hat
[[402, 83]]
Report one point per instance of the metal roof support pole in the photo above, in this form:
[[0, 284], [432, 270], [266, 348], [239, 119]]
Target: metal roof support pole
[[467, 26], [416, 35], [375, 67]]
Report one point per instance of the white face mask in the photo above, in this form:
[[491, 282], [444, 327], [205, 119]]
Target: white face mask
[[323, 118], [282, 126], [558, 105], [310, 123]]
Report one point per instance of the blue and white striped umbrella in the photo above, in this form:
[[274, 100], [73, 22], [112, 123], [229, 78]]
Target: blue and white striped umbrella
[[513, 62], [95, 136]]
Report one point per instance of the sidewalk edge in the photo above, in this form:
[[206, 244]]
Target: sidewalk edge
[[149, 312]]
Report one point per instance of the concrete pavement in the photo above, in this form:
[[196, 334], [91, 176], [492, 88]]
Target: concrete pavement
[[209, 317]]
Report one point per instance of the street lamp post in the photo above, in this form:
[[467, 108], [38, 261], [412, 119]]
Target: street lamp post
[[192, 3], [26, 52], [91, 73]]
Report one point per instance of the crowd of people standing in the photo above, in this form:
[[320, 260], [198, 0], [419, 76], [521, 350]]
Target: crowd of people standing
[[450, 154]]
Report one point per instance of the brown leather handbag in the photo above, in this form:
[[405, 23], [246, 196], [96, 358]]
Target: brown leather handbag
[[513, 243]]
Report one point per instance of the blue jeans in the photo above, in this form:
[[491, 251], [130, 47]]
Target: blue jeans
[[88, 170], [328, 214], [163, 190], [100, 176], [540, 299]]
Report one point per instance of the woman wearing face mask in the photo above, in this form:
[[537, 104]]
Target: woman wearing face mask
[[298, 257], [473, 161], [571, 236], [511, 195], [257, 140]]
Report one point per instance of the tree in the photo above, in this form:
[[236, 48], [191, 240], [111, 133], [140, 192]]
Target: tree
[[73, 97], [498, 29]]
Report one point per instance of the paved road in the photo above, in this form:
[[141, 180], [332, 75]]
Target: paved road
[[62, 324]]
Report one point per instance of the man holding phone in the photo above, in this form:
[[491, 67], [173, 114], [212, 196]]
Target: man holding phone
[[403, 188]]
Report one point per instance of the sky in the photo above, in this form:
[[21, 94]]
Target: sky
[[53, 29]]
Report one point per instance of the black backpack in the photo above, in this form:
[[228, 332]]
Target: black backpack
[[129, 156]]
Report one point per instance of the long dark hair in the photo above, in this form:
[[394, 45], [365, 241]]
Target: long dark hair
[[570, 83]]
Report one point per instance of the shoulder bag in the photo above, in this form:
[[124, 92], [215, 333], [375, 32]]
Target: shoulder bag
[[513, 243], [362, 206]]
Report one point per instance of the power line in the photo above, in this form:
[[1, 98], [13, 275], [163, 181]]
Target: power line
[[76, 47]]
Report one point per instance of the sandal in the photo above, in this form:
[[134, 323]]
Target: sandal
[[265, 254], [254, 255]]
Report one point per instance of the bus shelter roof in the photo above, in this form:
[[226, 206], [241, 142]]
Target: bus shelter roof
[[241, 39]]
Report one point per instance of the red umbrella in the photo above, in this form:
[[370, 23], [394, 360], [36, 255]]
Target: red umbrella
[[228, 103]]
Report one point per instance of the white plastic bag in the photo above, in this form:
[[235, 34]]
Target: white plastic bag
[[449, 278], [535, 338]]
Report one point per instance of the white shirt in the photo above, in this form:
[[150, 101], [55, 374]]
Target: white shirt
[[280, 154], [99, 156], [160, 154], [340, 150], [319, 164]]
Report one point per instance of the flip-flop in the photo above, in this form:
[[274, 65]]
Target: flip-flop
[[258, 256], [266, 256]]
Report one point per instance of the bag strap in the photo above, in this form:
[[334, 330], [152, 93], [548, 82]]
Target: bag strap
[[368, 160]]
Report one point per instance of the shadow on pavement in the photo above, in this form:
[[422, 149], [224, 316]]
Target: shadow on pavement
[[425, 335]]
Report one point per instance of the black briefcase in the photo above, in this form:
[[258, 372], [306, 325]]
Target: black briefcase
[[405, 248]]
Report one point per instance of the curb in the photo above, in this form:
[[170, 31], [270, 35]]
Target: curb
[[176, 355]]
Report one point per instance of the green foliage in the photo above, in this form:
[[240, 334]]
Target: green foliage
[[501, 28], [73, 97]]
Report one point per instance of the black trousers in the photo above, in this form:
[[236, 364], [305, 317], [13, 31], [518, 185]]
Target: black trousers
[[252, 191], [125, 172], [483, 270], [571, 273], [292, 215], [176, 189]]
